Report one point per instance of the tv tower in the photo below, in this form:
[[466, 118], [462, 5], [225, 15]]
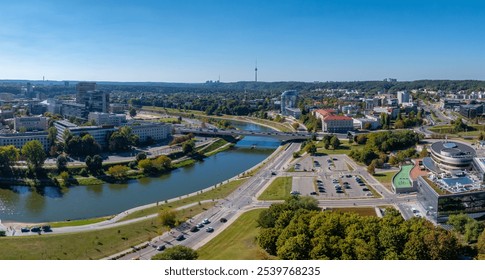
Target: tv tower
[[256, 71]]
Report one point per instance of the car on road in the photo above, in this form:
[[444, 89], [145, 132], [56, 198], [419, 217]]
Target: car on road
[[206, 221], [223, 220], [209, 229], [194, 229], [161, 248], [294, 192]]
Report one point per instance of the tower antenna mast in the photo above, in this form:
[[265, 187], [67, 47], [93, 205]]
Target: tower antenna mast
[[256, 71]]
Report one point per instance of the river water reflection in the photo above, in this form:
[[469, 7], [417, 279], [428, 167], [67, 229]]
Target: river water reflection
[[25, 204]]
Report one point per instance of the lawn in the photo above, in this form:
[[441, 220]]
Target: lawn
[[237, 242], [85, 245], [78, 222], [385, 177], [344, 148], [363, 211], [279, 189], [217, 193]]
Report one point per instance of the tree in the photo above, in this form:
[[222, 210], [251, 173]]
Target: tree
[[118, 171], [51, 135], [145, 165], [64, 176], [423, 153], [178, 252], [132, 112], [481, 243], [61, 163], [188, 147], [94, 164], [167, 218], [335, 142], [311, 148], [162, 163], [371, 168], [141, 156], [122, 139], [8, 155], [34, 153]]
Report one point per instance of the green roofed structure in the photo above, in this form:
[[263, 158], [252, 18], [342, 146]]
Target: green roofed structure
[[401, 183]]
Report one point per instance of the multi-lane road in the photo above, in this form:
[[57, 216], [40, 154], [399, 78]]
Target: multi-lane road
[[245, 198]]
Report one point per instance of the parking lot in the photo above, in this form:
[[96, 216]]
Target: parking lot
[[341, 186], [321, 164], [303, 185], [332, 178]]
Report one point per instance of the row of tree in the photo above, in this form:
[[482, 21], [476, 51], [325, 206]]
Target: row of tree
[[298, 230], [377, 145]]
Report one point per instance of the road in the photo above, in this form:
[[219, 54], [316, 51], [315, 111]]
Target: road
[[245, 198]]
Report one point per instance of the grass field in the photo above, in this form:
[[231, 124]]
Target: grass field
[[237, 242], [385, 178], [86, 245], [78, 222], [279, 189], [217, 193]]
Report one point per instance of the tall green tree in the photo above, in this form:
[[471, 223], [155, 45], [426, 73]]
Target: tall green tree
[[8, 155], [133, 112], [188, 147], [51, 135], [335, 142], [178, 252], [34, 153], [61, 163]]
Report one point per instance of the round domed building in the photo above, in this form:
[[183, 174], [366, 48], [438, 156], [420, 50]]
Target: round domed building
[[450, 155]]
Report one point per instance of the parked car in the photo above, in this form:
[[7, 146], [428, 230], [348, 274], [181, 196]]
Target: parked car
[[206, 221], [46, 228], [35, 229], [180, 237], [209, 229], [313, 193], [161, 248], [25, 229], [200, 225]]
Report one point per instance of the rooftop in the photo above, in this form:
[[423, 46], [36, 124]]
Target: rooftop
[[401, 179], [337, 118]]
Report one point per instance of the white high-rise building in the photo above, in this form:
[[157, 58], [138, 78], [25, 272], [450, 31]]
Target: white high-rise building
[[403, 97]]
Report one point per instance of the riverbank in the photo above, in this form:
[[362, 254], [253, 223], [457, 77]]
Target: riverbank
[[200, 115], [207, 149]]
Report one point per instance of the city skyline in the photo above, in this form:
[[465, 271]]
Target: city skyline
[[195, 41]]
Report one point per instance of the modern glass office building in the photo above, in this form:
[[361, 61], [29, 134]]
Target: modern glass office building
[[439, 202]]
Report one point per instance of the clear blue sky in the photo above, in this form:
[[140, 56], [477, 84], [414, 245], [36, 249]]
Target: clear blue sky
[[195, 41]]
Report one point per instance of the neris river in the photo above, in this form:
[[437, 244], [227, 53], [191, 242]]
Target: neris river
[[26, 204]]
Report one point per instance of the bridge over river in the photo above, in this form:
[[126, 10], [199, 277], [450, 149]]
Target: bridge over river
[[283, 136]]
